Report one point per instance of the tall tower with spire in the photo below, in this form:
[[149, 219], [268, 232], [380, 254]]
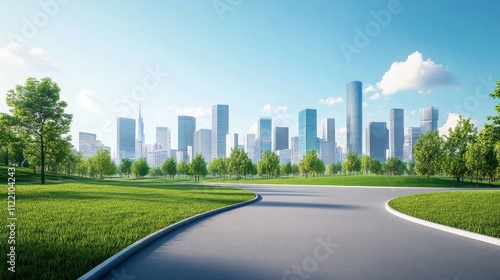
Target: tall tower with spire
[[140, 150]]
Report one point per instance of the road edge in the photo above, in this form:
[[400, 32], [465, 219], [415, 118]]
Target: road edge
[[452, 230], [107, 265]]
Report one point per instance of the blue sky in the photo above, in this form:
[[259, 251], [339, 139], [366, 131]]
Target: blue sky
[[262, 58]]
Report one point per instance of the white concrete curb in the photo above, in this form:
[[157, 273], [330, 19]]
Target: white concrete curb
[[456, 231], [107, 265]]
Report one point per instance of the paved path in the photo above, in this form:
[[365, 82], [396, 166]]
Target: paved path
[[313, 233]]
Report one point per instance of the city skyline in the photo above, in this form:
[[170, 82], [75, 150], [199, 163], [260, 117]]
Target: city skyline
[[240, 62]]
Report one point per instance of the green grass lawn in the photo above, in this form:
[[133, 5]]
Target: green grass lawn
[[362, 180], [476, 211], [70, 225]]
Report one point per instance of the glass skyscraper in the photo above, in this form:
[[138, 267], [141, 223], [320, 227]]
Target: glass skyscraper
[[185, 133], [354, 117], [220, 127], [280, 138], [429, 117], [377, 140], [202, 143], [164, 138], [125, 140], [265, 134], [397, 130], [308, 131]]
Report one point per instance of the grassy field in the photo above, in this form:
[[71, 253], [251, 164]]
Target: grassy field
[[476, 211], [72, 224], [363, 180]]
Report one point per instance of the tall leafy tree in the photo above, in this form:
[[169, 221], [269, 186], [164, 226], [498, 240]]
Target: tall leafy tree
[[394, 166], [428, 153], [365, 163], [286, 169], [495, 120], [169, 167], [352, 163], [455, 146], [217, 167], [269, 164], [311, 163], [237, 162], [126, 166], [39, 116], [102, 162], [198, 167], [140, 168], [183, 168]]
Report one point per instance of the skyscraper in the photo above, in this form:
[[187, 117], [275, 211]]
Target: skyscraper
[[125, 138], [220, 127], [87, 143], [250, 147], [327, 150], [411, 137], [265, 134], [428, 119], [377, 140], [164, 138], [202, 143], [185, 133], [140, 141], [354, 117], [294, 145], [280, 138], [396, 130], [308, 131], [231, 142]]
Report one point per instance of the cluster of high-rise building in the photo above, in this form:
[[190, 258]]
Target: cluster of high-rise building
[[382, 141]]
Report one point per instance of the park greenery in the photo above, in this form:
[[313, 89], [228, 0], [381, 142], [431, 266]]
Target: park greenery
[[34, 134], [74, 223]]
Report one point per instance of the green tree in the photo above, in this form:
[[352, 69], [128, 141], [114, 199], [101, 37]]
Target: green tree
[[337, 167], [112, 169], [455, 146], [495, 124], [365, 163], [237, 162], [330, 168], [169, 167], [39, 117], [198, 167], [376, 167], [487, 144], [101, 161], [394, 166], [217, 167], [311, 163], [183, 168], [269, 164], [126, 166], [286, 169], [428, 153], [295, 169], [352, 163], [155, 172], [140, 168], [410, 168], [474, 159], [72, 161]]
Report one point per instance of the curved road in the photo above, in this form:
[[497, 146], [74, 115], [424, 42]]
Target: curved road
[[297, 232]]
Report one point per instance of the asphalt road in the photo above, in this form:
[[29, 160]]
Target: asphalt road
[[313, 233]]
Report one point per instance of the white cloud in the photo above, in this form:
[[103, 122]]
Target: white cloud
[[331, 100], [267, 109], [415, 74], [369, 88], [279, 114], [451, 122], [24, 56], [413, 112], [365, 104], [200, 113], [374, 97], [87, 99]]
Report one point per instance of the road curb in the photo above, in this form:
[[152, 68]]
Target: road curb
[[107, 265], [452, 230]]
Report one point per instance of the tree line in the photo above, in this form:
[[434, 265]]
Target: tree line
[[35, 134]]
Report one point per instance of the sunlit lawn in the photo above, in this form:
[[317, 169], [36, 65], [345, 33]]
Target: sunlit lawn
[[72, 224]]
